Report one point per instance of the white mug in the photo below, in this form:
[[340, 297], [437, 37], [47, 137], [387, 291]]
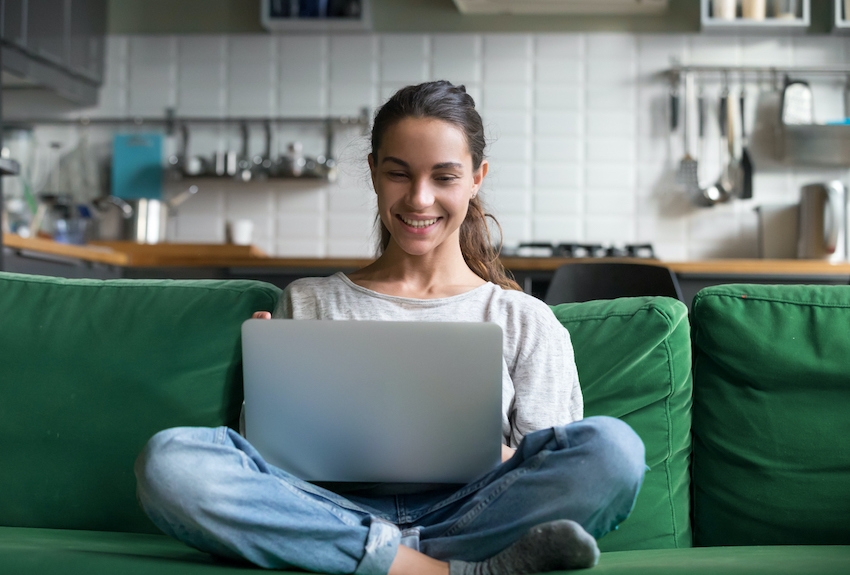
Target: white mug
[[754, 9], [724, 9], [240, 232]]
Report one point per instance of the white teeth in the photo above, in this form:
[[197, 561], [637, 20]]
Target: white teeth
[[419, 223]]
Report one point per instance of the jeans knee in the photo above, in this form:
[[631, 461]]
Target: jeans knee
[[165, 468], [620, 451]]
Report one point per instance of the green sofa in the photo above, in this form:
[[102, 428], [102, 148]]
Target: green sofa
[[744, 409]]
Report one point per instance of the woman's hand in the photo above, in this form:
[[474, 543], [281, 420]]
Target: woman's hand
[[261, 315], [507, 452]]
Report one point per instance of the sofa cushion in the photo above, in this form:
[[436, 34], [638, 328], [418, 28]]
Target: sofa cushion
[[91, 369], [634, 362], [26, 551], [771, 419]]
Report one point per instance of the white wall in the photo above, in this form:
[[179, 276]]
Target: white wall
[[578, 125]]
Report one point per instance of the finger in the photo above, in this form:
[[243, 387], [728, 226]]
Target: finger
[[262, 315]]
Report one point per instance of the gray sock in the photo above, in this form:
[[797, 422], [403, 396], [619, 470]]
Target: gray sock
[[552, 546]]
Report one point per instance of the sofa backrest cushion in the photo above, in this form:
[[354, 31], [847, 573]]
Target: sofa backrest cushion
[[634, 363], [772, 415], [90, 370]]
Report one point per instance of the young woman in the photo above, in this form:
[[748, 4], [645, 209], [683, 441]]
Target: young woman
[[564, 481]]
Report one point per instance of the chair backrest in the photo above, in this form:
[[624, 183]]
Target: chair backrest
[[579, 282]]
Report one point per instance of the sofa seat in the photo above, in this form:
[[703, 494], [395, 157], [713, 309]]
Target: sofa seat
[[29, 551], [32, 551], [774, 560]]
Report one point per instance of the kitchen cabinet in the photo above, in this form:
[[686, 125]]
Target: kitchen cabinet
[[48, 34], [772, 22], [54, 44], [14, 23], [87, 38], [335, 16]]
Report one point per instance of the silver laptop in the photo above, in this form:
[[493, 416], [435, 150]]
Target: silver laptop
[[374, 401]]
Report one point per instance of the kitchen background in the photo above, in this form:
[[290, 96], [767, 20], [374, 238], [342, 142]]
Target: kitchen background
[[581, 148]]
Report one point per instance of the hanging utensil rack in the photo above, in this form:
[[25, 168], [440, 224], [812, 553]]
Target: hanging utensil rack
[[677, 71], [170, 122], [826, 145]]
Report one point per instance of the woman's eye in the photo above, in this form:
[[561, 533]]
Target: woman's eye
[[397, 175], [446, 178]]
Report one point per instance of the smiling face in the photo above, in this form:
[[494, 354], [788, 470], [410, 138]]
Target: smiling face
[[424, 179]]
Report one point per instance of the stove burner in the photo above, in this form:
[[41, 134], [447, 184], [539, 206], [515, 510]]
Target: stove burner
[[576, 250]]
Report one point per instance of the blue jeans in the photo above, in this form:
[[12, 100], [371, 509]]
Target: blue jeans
[[211, 489]]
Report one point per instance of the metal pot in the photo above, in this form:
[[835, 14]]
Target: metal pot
[[149, 224]]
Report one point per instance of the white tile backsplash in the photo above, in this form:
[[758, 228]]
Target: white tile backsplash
[[578, 127], [611, 46], [602, 203], [558, 202], [299, 226], [353, 60], [499, 124], [557, 149], [563, 47], [456, 58], [505, 200], [558, 71], [404, 58], [499, 97], [611, 73], [501, 46], [510, 148], [561, 229], [554, 97], [507, 70], [818, 51], [610, 150], [609, 175], [558, 123], [557, 176]]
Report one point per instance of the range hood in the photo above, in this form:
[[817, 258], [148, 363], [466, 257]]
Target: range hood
[[591, 7]]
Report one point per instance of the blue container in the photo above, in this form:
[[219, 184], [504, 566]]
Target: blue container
[[137, 166]]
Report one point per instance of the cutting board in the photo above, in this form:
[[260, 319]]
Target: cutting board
[[137, 166]]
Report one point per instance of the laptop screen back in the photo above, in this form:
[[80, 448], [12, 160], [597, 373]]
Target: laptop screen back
[[374, 401]]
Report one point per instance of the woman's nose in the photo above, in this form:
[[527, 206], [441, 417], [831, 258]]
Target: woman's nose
[[421, 195]]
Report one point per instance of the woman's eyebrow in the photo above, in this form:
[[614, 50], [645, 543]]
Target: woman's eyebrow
[[395, 160], [444, 165], [440, 166]]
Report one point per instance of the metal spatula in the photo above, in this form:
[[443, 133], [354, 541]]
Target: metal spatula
[[688, 174]]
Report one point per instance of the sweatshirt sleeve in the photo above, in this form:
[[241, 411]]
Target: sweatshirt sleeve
[[547, 391]]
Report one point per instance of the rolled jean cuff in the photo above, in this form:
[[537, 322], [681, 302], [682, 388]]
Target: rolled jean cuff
[[381, 548]]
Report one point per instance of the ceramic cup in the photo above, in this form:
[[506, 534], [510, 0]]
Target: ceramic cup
[[754, 9], [785, 9], [240, 232], [724, 9]]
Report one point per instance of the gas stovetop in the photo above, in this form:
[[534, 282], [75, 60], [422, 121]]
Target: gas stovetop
[[575, 250]]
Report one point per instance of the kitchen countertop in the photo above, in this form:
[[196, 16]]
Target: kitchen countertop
[[130, 254]]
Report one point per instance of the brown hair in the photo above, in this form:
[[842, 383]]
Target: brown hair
[[444, 101]]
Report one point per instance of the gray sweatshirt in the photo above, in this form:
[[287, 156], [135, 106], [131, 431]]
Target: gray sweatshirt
[[540, 385]]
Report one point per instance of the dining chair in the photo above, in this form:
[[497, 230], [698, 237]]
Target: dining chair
[[579, 282]]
